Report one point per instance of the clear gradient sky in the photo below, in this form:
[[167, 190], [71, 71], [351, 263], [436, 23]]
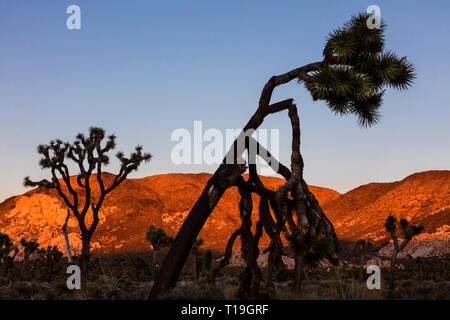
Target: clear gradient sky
[[141, 69]]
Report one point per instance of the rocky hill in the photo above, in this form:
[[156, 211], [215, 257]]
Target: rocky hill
[[161, 200], [165, 201], [421, 198]]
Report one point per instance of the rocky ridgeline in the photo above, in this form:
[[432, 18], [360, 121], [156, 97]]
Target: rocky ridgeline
[[165, 201], [161, 200]]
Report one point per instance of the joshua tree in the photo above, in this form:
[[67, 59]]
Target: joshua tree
[[90, 155], [351, 79], [159, 239], [408, 233], [363, 247], [198, 257], [202, 260], [29, 247], [50, 256], [8, 252]]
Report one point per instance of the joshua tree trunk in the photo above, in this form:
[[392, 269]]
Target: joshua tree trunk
[[84, 260], [66, 238], [299, 273], [26, 263], [275, 262], [224, 177], [179, 251], [153, 258], [251, 277], [393, 262], [361, 261], [361, 266], [397, 248]]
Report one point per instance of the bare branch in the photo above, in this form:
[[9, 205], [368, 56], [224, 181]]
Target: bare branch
[[227, 255]]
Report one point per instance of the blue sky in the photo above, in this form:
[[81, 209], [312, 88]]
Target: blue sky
[[141, 69]]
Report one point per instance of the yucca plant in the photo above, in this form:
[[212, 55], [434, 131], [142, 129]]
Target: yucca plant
[[356, 70], [29, 247]]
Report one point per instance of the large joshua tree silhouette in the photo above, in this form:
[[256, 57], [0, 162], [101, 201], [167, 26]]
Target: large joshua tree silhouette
[[90, 155], [351, 79]]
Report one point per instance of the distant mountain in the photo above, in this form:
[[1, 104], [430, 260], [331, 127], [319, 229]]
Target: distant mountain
[[165, 201], [423, 197], [161, 200]]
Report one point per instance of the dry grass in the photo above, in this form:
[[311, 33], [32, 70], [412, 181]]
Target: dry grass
[[115, 278]]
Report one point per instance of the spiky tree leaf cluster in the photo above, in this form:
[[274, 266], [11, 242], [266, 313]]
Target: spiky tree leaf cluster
[[356, 70], [51, 254], [29, 247], [408, 231], [158, 237], [314, 249]]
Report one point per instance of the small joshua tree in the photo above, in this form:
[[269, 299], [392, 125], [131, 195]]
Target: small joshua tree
[[198, 257], [203, 263], [408, 232], [363, 247], [159, 239], [90, 155], [308, 252], [29, 247], [49, 257], [8, 252]]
